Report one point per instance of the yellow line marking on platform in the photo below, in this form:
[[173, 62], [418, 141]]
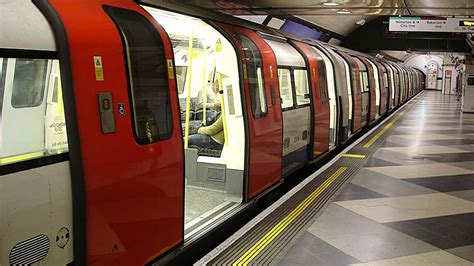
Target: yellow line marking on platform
[[385, 128], [361, 156], [248, 256]]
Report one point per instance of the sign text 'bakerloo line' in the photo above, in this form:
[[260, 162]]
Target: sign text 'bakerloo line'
[[431, 24]]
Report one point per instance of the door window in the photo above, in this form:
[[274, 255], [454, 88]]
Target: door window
[[148, 78], [284, 79], [301, 86], [29, 82], [255, 78]]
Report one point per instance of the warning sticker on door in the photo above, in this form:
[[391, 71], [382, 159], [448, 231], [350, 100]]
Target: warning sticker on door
[[170, 69], [99, 72]]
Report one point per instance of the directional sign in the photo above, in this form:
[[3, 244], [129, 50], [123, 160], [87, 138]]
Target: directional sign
[[431, 24]]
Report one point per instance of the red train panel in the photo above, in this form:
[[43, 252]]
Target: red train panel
[[134, 193]]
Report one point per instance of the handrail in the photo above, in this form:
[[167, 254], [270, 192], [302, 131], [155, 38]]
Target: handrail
[[224, 118], [204, 81], [188, 89]]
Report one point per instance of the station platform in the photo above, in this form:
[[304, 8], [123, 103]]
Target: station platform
[[403, 194]]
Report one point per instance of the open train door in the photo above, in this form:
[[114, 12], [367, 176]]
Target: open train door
[[125, 142], [320, 101], [263, 108]]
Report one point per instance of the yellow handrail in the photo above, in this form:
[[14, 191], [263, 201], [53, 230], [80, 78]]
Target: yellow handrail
[[188, 89], [224, 119]]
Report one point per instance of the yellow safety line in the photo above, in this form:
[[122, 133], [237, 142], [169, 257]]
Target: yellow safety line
[[22, 157], [385, 128], [277, 229], [361, 156]]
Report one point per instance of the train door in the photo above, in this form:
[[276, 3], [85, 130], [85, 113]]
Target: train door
[[374, 93], [388, 81], [211, 116], [383, 85], [377, 86], [123, 88], [396, 74], [357, 106], [347, 85], [263, 110], [391, 78], [296, 100], [320, 103], [331, 86], [365, 91]]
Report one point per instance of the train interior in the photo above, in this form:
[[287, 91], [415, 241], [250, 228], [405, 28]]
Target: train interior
[[210, 104]]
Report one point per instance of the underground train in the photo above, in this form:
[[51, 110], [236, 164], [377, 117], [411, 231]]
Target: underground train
[[99, 99]]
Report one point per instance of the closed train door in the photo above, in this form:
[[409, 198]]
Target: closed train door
[[355, 85], [263, 111], [372, 88], [117, 69]]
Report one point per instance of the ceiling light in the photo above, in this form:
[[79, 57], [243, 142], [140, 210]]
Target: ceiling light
[[343, 11], [330, 3]]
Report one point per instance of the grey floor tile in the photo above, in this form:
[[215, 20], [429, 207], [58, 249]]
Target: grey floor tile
[[363, 238], [465, 252], [353, 192], [300, 256], [387, 185], [421, 170], [378, 162], [445, 183], [399, 158], [465, 194], [439, 258], [392, 209], [444, 232], [317, 248], [465, 164]]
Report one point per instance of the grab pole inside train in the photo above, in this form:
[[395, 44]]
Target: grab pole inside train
[[188, 88]]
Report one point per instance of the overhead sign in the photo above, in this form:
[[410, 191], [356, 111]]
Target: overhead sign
[[431, 24]]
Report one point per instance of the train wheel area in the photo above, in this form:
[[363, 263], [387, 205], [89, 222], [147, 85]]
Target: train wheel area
[[364, 205]]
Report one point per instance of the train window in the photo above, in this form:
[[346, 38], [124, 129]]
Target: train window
[[365, 78], [29, 81], [30, 133], [322, 82], [301, 86], [254, 66], [286, 92], [181, 72], [148, 78]]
